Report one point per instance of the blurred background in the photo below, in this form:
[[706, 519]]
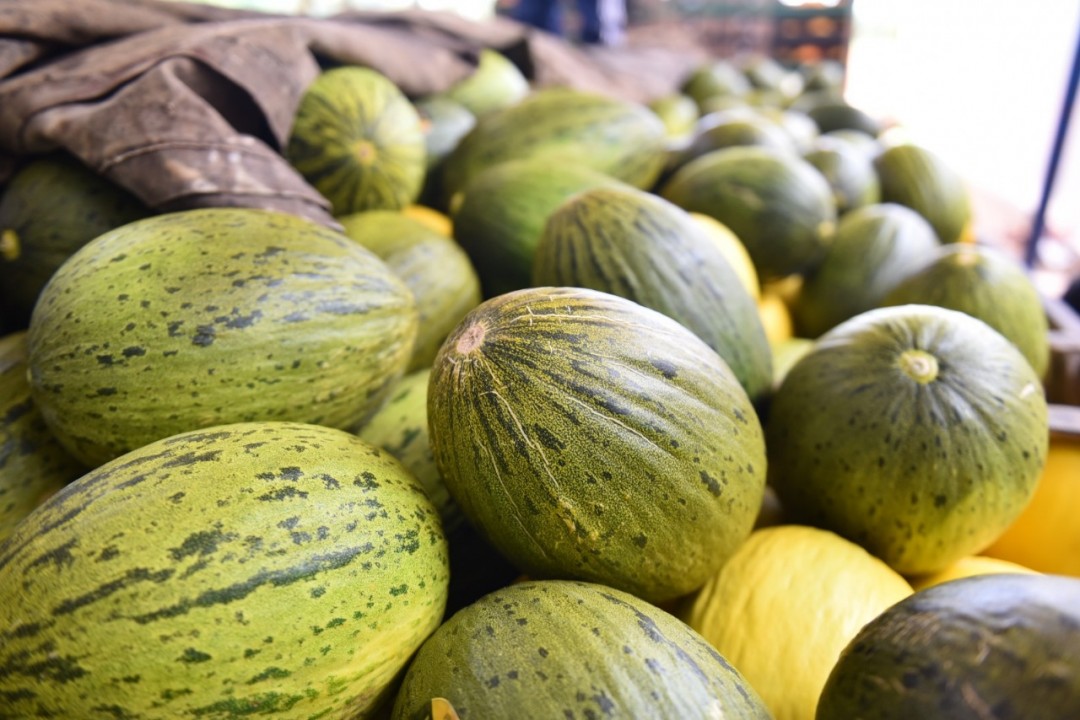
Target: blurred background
[[981, 83]]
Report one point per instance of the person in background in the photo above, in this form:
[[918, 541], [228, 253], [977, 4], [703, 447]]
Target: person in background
[[603, 22]]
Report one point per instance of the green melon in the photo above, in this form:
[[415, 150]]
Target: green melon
[[916, 431], [984, 283], [623, 139], [724, 130], [257, 568], [495, 83], [586, 436], [444, 122], [206, 317], [990, 646], [835, 114], [50, 208], [778, 205], [503, 211], [914, 176], [434, 267], [359, 141], [677, 111], [875, 248], [849, 170], [562, 649], [636, 245], [33, 464], [401, 428], [714, 79]]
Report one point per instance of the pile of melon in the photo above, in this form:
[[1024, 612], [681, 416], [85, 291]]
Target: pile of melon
[[582, 409]]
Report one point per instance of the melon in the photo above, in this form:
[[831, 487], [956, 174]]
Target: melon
[[915, 431], [562, 649], [212, 316], [266, 568], [586, 436], [358, 140]]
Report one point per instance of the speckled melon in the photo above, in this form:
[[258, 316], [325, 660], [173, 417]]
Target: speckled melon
[[205, 317], [270, 569], [358, 140], [559, 649], [586, 436], [916, 431]]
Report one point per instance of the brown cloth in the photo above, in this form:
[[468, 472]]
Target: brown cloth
[[190, 105]]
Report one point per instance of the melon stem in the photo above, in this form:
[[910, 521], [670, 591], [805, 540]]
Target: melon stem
[[920, 366]]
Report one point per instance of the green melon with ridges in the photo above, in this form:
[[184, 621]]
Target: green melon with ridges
[[636, 245], [50, 208], [232, 314], [735, 129], [586, 436], [988, 285], [919, 178], [620, 138], [503, 211], [401, 428], [779, 205], [915, 431], [358, 140], [274, 568], [875, 248], [434, 267], [33, 465], [990, 646], [547, 649]]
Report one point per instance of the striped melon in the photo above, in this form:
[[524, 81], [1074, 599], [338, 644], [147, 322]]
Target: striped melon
[[622, 139], [562, 649], [588, 437], [358, 140], [636, 245], [251, 569], [206, 317]]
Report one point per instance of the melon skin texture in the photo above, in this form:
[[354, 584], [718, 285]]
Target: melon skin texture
[[636, 245], [991, 646], [552, 649], [207, 317], [359, 141], [918, 432], [279, 569], [587, 436]]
